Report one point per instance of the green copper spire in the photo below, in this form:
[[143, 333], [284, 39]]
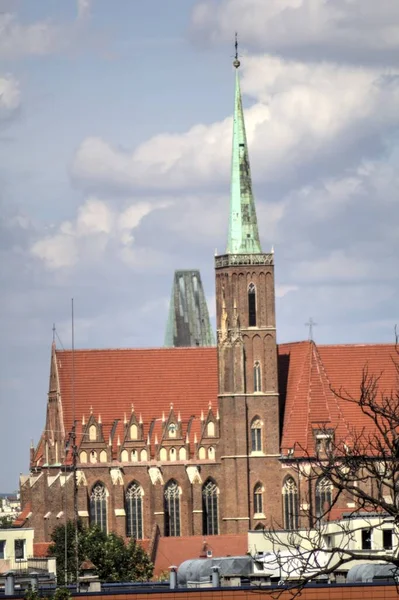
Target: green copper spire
[[243, 226]]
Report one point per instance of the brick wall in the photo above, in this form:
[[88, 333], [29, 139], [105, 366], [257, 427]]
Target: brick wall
[[352, 592]]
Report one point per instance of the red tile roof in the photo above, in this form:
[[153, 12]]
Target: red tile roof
[[153, 380], [175, 550], [110, 382], [314, 371], [21, 519], [40, 549]]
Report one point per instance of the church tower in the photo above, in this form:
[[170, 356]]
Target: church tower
[[247, 352]]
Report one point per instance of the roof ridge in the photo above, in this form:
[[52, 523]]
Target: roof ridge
[[128, 349], [289, 417], [334, 396]]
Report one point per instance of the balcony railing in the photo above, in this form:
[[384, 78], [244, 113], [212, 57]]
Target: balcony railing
[[25, 565], [232, 260]]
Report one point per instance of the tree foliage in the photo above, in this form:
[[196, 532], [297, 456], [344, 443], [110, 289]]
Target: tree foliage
[[6, 522], [362, 474], [114, 560]]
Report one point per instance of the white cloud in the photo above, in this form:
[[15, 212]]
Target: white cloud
[[17, 39], [39, 38], [10, 96], [84, 8], [86, 238], [353, 25], [303, 112]]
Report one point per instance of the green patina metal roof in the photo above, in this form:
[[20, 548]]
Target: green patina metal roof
[[243, 226], [188, 320]]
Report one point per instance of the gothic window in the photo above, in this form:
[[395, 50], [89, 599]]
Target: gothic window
[[202, 453], [256, 435], [257, 377], [163, 454], [83, 457], [210, 506], [92, 433], [258, 499], [172, 429], [251, 305], [172, 454], [182, 454], [290, 501], [211, 453], [103, 456], [125, 456], [134, 511], [143, 455], [93, 456], [98, 507], [210, 429], [135, 456], [172, 509], [133, 431], [323, 497]]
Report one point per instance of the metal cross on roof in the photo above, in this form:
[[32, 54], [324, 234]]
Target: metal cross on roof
[[310, 324]]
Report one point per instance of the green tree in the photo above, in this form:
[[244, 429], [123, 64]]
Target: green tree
[[6, 522], [114, 560]]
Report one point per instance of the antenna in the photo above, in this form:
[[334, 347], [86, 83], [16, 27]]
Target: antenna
[[74, 453]]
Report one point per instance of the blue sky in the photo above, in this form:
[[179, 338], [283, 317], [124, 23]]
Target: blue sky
[[115, 134]]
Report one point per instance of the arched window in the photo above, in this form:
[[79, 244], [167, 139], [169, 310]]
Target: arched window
[[172, 430], [143, 455], [256, 435], [103, 456], [83, 457], [258, 499], [210, 508], [201, 453], [290, 498], [323, 497], [172, 509], [92, 433], [182, 454], [98, 507], [134, 431], [172, 454], [163, 454], [251, 305], [124, 456], [135, 456], [93, 456], [257, 377], [134, 511], [210, 429]]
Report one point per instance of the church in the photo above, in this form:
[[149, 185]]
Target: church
[[196, 439]]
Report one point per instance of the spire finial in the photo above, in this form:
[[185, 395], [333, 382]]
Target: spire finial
[[236, 62], [243, 226]]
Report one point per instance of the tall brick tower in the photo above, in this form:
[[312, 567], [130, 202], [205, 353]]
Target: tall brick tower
[[247, 353]]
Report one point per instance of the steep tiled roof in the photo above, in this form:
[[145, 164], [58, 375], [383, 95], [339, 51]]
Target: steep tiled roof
[[22, 518], [315, 373], [109, 382], [175, 550]]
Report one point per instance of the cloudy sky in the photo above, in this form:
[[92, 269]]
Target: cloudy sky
[[115, 133]]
